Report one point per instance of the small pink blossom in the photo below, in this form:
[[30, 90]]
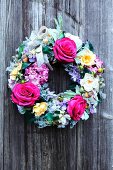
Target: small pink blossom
[[37, 75], [98, 64]]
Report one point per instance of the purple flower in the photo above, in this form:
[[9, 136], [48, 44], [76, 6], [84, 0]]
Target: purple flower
[[50, 94], [32, 58], [73, 72], [92, 109], [26, 50], [63, 104]]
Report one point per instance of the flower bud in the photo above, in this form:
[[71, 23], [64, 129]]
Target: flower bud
[[100, 70], [81, 67], [86, 94], [60, 98], [24, 58]]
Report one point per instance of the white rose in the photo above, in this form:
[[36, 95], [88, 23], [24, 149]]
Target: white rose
[[76, 39], [89, 82]]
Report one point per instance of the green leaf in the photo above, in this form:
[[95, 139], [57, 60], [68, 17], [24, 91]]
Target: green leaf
[[78, 90], [29, 117], [56, 22], [57, 112], [46, 49], [49, 117], [69, 94], [32, 120], [89, 46], [56, 118], [86, 70], [61, 35], [72, 86], [59, 23], [21, 48], [25, 65]]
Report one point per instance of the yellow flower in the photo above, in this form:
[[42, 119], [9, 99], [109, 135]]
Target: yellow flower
[[87, 57], [15, 71], [40, 108]]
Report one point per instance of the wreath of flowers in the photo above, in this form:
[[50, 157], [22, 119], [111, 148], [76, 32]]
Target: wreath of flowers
[[29, 71]]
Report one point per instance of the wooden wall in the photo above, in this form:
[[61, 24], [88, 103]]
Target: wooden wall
[[89, 146]]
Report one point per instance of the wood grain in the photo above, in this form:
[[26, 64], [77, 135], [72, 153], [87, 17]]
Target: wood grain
[[89, 146]]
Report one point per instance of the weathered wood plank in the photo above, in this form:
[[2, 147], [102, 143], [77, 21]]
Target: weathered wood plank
[[2, 74], [12, 130], [99, 25]]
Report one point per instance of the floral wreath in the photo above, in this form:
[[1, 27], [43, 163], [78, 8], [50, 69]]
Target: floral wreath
[[29, 71]]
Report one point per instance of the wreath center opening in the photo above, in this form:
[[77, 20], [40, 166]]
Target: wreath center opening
[[59, 81]]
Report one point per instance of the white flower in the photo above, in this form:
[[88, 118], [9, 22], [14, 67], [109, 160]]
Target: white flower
[[63, 119], [85, 116], [89, 82], [53, 33], [76, 39]]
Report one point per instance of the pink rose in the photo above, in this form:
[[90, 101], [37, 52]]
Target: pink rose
[[65, 50], [76, 107], [25, 94]]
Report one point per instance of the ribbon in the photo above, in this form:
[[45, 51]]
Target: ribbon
[[35, 42], [43, 32], [42, 58]]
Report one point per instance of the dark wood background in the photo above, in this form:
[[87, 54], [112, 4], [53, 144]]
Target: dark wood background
[[89, 146]]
